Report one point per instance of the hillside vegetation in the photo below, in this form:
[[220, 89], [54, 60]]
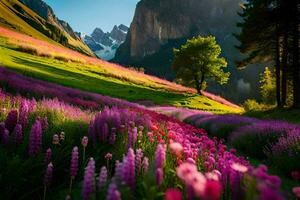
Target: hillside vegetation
[[57, 64], [16, 16]]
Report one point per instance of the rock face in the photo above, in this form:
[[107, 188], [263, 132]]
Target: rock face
[[161, 25], [46, 12], [104, 45], [54, 28], [156, 22]]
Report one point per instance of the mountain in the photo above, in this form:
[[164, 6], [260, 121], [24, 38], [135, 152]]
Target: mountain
[[161, 25], [37, 19], [104, 45]]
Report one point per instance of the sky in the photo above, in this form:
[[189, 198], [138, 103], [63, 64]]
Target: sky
[[85, 15]]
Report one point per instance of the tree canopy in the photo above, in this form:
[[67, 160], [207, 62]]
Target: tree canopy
[[199, 60]]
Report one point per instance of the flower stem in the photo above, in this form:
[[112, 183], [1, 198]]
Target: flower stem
[[45, 191]]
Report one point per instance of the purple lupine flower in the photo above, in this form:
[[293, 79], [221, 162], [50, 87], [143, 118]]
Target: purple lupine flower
[[35, 138], [270, 194], [138, 159], [18, 135], [48, 175], [118, 169], [104, 132], [5, 137], [112, 137], [74, 162], [129, 138], [11, 120], [159, 174], [24, 112], [128, 171], [134, 134], [113, 193], [102, 177], [2, 128], [48, 155], [160, 156], [88, 182], [145, 164]]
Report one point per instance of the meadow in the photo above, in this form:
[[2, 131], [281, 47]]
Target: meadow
[[51, 149], [44, 61], [76, 127]]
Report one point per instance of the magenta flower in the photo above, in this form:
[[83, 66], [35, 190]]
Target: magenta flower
[[18, 135], [212, 191], [11, 120], [48, 155], [48, 175], [128, 171], [173, 194], [113, 193], [160, 156], [74, 162], [88, 182], [102, 177], [35, 138], [159, 174]]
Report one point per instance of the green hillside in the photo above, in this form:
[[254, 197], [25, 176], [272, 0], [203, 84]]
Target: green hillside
[[16, 16], [96, 78]]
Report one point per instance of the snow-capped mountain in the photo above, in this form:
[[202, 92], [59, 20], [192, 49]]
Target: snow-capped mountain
[[105, 45]]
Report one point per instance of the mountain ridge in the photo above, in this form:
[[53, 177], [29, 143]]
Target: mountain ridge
[[105, 45]]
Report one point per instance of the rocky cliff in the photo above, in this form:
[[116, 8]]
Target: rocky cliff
[[160, 25], [53, 27]]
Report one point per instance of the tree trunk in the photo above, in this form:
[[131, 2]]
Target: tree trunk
[[202, 81], [197, 84], [284, 67], [277, 72], [296, 67]]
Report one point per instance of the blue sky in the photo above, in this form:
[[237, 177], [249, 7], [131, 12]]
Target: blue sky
[[85, 15]]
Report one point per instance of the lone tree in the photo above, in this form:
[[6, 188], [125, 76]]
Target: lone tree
[[198, 60]]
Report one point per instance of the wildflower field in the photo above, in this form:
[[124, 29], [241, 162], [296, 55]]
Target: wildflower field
[[79, 145]]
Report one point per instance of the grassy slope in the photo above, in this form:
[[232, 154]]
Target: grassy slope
[[101, 79], [10, 18]]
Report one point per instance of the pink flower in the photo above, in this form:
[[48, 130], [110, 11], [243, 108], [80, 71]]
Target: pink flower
[[198, 181], [295, 175], [296, 191], [55, 139], [173, 194], [85, 141], [108, 156], [214, 175], [239, 167], [184, 169], [176, 148]]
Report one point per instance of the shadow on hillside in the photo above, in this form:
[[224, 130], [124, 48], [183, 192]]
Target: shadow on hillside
[[48, 72]]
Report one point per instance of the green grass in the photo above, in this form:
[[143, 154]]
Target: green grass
[[95, 79]]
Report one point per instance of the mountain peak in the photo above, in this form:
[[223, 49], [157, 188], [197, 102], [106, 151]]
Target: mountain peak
[[105, 44]]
